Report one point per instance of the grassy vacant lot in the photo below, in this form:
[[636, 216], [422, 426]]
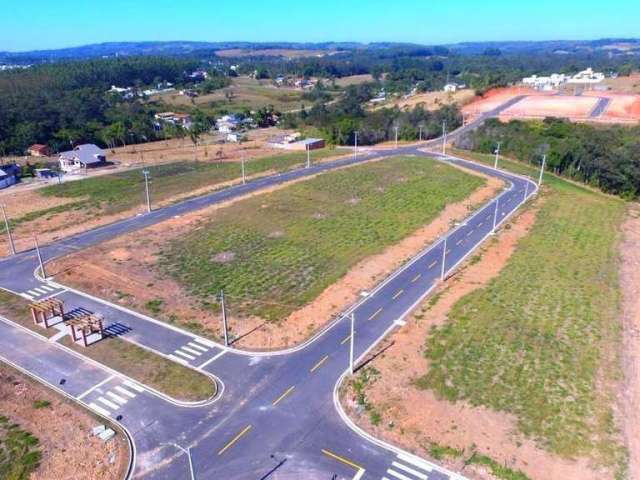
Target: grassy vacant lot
[[274, 253], [243, 93], [164, 375], [540, 340], [19, 451], [112, 194]]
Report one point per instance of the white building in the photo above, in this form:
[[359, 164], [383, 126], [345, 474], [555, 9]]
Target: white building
[[587, 77], [82, 157], [545, 83]]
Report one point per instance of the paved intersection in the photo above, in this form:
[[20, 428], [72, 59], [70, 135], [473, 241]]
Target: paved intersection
[[276, 415]]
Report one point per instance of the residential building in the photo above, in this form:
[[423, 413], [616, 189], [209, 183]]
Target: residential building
[[181, 119], [228, 123], [82, 157], [587, 76], [8, 175], [39, 150], [293, 142]]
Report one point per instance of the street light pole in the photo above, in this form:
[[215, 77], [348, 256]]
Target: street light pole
[[353, 322], [396, 129], [444, 258], [495, 217], [444, 137], [188, 452], [355, 145], [12, 246], [224, 319], [44, 274], [145, 172], [244, 180], [308, 156], [420, 135], [544, 161], [495, 164]]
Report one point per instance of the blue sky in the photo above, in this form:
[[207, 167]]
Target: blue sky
[[43, 24]]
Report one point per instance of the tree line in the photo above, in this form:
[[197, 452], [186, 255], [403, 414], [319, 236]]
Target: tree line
[[338, 122], [606, 157]]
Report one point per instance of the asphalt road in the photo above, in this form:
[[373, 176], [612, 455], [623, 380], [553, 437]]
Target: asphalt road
[[276, 415]]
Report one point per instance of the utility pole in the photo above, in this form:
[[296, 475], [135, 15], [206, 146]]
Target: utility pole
[[495, 218], [420, 135], [444, 258], [244, 180], [355, 145], [308, 157], [224, 319], [353, 322], [495, 164], [145, 172], [188, 452], [44, 274], [444, 137], [396, 129], [12, 246], [544, 161]]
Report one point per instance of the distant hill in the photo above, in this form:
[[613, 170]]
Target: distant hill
[[112, 49]]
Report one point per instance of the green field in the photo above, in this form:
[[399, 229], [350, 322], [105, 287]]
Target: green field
[[540, 340], [274, 253], [19, 451], [164, 375], [115, 193]]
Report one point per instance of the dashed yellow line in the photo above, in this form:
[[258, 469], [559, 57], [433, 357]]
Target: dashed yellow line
[[416, 278], [398, 293], [459, 242], [283, 396], [375, 314], [480, 224], [341, 459], [448, 251], [469, 232], [319, 364], [433, 264], [235, 439]]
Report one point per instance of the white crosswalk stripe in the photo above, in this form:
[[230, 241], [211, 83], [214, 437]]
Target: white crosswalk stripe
[[105, 402], [408, 467], [191, 351], [109, 403], [124, 391], [41, 291]]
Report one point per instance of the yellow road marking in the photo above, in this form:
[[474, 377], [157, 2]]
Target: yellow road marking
[[433, 264], [480, 224], [282, 397], [235, 439], [469, 233], [319, 364], [448, 251], [346, 339], [398, 293], [416, 278], [459, 242], [375, 314], [341, 459]]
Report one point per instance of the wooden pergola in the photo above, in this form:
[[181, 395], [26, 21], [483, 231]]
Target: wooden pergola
[[84, 326], [45, 310]]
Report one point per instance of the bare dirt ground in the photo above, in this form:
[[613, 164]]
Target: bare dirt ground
[[621, 106], [69, 451], [431, 100], [354, 80], [630, 282], [413, 418], [494, 98], [113, 271], [630, 84], [557, 106]]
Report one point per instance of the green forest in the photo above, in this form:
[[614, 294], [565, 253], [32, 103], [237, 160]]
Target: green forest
[[606, 157]]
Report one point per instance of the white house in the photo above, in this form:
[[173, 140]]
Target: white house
[[587, 76], [83, 156]]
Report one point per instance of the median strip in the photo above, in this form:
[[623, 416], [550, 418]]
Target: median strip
[[235, 439], [283, 396], [319, 364]]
